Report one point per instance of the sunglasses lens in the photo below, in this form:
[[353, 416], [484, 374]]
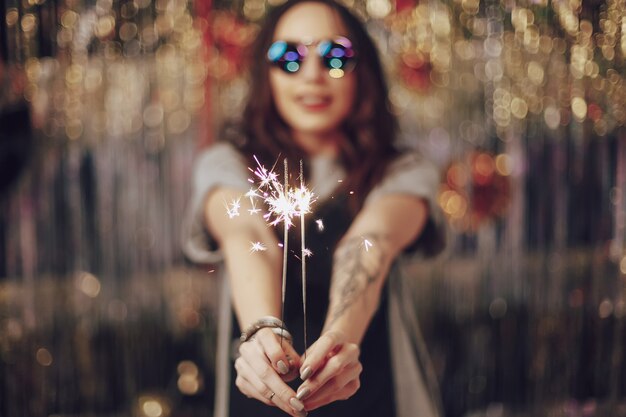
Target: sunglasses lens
[[285, 56], [338, 56]]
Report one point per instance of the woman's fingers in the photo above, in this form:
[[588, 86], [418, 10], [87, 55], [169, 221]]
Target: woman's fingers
[[319, 352], [339, 387], [256, 390], [282, 356], [255, 367], [294, 360], [347, 356], [252, 386]]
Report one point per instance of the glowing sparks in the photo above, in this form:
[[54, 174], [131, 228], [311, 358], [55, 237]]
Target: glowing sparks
[[303, 199], [283, 204], [367, 244], [232, 209], [320, 225], [268, 177], [281, 207], [252, 195], [257, 247]]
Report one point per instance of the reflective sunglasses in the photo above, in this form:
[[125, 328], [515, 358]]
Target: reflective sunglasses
[[337, 55]]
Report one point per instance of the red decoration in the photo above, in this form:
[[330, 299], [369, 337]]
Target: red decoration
[[475, 191], [402, 5]]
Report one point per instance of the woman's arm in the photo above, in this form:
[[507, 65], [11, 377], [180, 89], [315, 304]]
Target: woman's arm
[[361, 264], [254, 275], [255, 280], [363, 258]]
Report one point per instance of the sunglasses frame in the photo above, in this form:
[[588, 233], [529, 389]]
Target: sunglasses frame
[[289, 56]]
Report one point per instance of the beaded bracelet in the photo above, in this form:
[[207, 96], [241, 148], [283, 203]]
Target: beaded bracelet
[[277, 326], [282, 332]]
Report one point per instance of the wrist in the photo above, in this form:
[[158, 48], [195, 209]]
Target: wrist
[[272, 323], [346, 333]]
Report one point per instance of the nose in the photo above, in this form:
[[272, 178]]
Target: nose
[[312, 68]]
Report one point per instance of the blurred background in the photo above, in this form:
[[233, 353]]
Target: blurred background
[[104, 103]]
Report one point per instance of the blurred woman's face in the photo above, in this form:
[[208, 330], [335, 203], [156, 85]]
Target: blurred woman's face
[[311, 98]]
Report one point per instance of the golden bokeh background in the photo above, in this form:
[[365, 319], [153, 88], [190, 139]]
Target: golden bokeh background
[[105, 103]]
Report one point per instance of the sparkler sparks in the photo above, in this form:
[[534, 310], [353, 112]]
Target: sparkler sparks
[[320, 225], [257, 247], [367, 244], [268, 177], [252, 195], [232, 209], [283, 204]]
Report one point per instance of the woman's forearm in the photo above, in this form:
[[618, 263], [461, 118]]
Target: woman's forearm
[[254, 274], [362, 260], [255, 280], [360, 267]]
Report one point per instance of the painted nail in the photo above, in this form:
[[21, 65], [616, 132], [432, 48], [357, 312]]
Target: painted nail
[[303, 393], [296, 404], [282, 368], [306, 373]]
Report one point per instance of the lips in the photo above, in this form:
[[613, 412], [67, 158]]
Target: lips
[[313, 102]]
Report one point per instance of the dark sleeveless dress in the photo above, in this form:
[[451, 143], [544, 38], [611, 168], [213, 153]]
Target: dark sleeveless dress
[[375, 396]]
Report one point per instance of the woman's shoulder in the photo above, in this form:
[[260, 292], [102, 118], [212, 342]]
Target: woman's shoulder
[[410, 167], [220, 163], [411, 174], [221, 149], [408, 160], [220, 154]]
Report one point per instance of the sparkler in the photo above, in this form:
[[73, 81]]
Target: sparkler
[[284, 203], [303, 209], [285, 239]]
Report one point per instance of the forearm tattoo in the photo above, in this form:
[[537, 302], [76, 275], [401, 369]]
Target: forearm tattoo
[[358, 263]]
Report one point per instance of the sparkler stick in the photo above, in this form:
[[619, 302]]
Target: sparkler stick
[[285, 238], [303, 255]]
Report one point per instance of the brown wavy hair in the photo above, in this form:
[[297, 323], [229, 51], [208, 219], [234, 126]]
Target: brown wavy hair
[[370, 128]]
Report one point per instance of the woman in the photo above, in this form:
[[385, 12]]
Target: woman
[[317, 94]]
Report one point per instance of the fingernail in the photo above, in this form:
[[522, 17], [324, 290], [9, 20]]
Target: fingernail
[[302, 413], [282, 368], [302, 393], [296, 404], [306, 373]]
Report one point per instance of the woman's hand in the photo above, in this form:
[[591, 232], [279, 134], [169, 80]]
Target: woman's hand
[[262, 369], [331, 371]]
